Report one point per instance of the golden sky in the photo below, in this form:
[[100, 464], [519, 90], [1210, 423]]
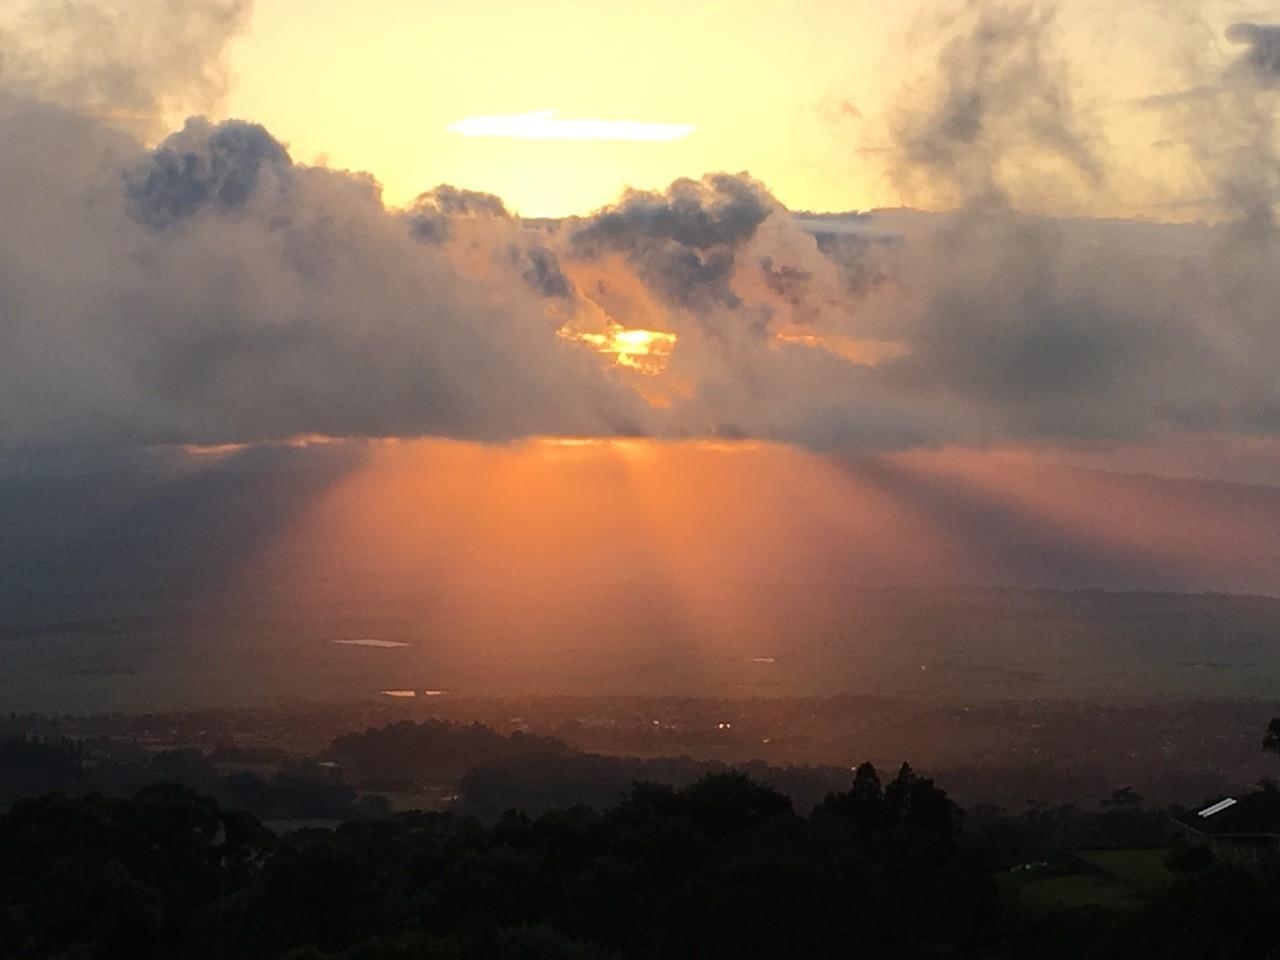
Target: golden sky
[[794, 93], [374, 86]]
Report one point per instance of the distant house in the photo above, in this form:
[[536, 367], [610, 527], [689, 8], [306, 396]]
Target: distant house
[[1248, 827]]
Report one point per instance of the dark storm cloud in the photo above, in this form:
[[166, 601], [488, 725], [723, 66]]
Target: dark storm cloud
[[432, 213], [440, 214], [1049, 342], [719, 210], [682, 242], [542, 271], [1262, 56], [790, 283], [855, 256], [200, 167]]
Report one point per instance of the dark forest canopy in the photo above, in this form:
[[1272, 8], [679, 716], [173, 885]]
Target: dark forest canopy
[[599, 861], [722, 868]]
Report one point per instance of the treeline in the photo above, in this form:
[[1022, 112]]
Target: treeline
[[491, 772], [534, 785], [433, 752], [487, 773], [723, 868], [31, 766]]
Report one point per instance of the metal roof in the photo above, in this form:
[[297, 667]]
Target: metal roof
[[1253, 815], [1217, 807]]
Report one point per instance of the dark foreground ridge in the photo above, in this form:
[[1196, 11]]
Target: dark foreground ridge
[[722, 868]]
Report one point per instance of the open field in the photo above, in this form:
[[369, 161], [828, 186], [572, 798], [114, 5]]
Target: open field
[[1110, 879], [953, 646]]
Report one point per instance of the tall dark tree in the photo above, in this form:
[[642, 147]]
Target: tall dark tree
[[1271, 740]]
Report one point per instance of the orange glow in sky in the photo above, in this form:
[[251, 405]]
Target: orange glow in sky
[[538, 558], [640, 521]]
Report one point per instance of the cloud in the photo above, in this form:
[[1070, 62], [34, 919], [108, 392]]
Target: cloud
[[1262, 56], [203, 166], [545, 125], [1223, 119], [212, 290], [431, 214], [992, 122], [137, 64], [681, 242], [543, 271], [469, 219]]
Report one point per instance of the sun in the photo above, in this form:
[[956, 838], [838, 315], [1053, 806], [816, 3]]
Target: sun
[[645, 351]]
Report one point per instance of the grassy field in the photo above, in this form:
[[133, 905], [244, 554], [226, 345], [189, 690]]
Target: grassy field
[[1110, 879], [957, 646]]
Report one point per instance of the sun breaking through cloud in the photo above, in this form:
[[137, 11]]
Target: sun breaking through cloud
[[545, 125], [212, 291]]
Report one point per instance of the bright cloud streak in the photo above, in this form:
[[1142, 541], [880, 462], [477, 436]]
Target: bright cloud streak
[[545, 125]]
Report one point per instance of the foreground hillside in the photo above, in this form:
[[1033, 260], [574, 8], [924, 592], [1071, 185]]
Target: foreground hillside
[[721, 868]]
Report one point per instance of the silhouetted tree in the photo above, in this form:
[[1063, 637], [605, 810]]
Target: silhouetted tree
[[1125, 798], [721, 868], [1227, 911], [1271, 739]]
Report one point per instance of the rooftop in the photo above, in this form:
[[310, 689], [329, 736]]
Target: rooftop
[[1256, 814]]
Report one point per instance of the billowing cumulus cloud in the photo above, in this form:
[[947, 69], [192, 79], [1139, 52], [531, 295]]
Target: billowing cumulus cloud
[[203, 167], [432, 212], [471, 221], [719, 210], [683, 242], [210, 289]]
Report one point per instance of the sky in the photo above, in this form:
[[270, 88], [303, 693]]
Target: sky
[[376, 87], [235, 223], [797, 94], [232, 230], [805, 97]]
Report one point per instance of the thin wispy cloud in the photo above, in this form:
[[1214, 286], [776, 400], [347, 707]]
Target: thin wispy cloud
[[545, 125]]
